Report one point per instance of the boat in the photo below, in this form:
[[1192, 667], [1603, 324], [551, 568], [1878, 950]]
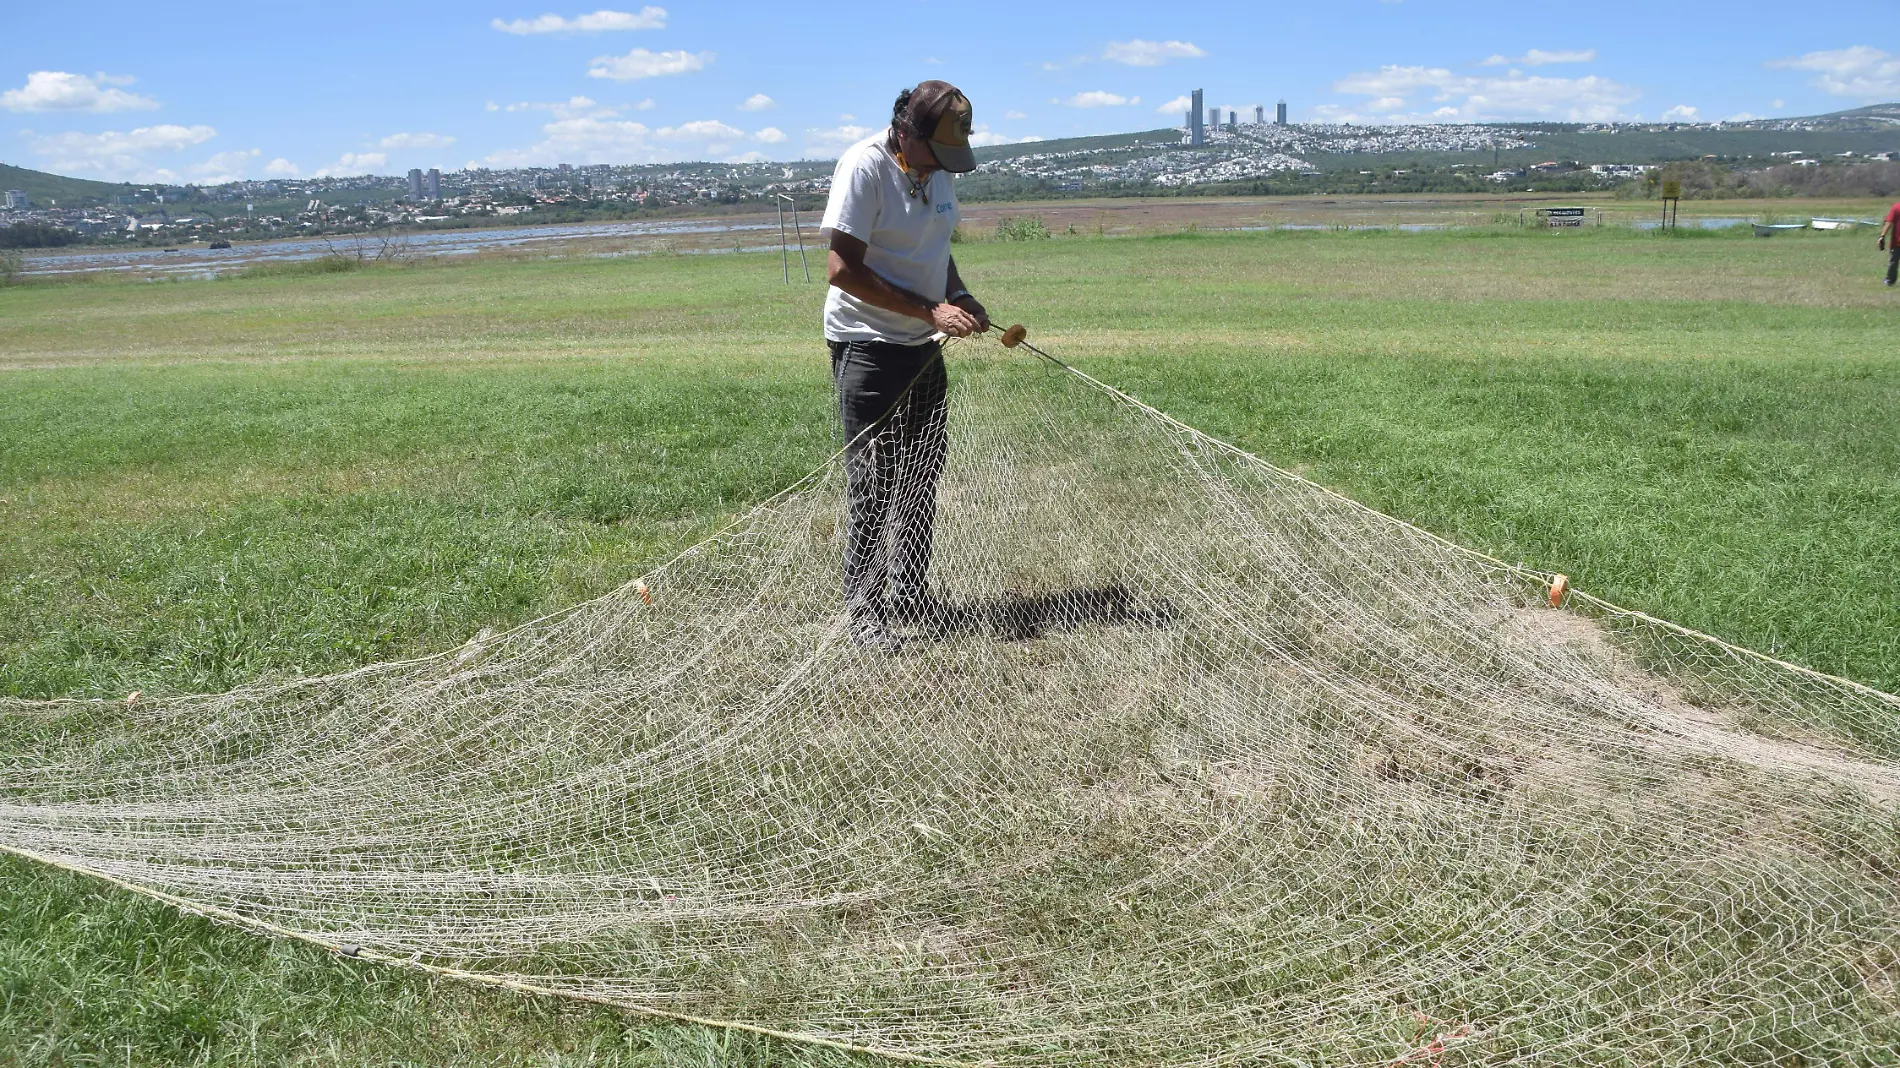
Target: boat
[[1837, 224], [1771, 229]]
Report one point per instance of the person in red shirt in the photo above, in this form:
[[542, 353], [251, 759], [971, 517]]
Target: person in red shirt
[[1890, 242]]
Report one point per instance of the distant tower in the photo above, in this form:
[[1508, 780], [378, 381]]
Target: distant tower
[[415, 183], [1213, 117], [1233, 120], [1279, 114], [434, 184], [1259, 115], [1196, 135]]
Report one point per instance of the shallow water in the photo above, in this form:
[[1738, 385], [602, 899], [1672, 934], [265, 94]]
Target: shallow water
[[190, 261]]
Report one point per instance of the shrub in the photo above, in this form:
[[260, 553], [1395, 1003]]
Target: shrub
[[1021, 228]]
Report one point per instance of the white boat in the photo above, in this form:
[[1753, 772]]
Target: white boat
[[1771, 229], [1838, 224]]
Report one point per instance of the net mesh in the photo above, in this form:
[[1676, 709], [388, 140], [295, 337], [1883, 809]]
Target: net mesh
[[1202, 763]]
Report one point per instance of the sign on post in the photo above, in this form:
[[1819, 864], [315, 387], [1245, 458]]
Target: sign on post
[[1561, 217], [1671, 197]]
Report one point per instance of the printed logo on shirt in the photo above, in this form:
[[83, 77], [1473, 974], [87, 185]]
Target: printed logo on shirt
[[949, 205]]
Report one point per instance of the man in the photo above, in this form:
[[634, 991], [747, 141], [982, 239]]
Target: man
[[894, 287], [1890, 242]]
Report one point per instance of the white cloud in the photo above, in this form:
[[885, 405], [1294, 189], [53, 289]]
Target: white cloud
[[1096, 98], [771, 135], [647, 18], [1140, 53], [1743, 116], [1776, 104], [1860, 71], [113, 155], [54, 90], [1537, 57], [1177, 106], [701, 130], [753, 156], [416, 140], [758, 102], [592, 139], [982, 136], [352, 163], [1680, 113], [1463, 98], [281, 168], [1014, 115], [823, 143], [641, 63], [232, 166], [576, 107], [573, 105], [847, 117]]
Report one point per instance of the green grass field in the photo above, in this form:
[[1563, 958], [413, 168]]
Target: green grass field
[[207, 483]]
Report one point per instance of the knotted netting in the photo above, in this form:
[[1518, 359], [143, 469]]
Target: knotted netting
[[1201, 764]]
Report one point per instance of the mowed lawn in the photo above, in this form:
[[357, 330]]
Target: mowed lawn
[[205, 483]]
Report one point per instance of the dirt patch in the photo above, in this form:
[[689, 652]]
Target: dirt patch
[[1677, 721]]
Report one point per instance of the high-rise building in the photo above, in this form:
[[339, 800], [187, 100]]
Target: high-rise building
[[1196, 135], [434, 185], [415, 183], [18, 201], [1259, 115], [1279, 113], [1213, 117], [1233, 120]]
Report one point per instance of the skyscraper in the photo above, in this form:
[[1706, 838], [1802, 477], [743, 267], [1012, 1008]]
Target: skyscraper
[[415, 183], [1196, 135], [434, 184], [1279, 114], [1259, 115], [1233, 120]]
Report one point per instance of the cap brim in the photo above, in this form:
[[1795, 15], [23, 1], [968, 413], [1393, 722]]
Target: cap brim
[[957, 159]]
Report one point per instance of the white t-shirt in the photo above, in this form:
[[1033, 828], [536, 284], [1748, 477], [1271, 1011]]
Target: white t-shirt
[[908, 238]]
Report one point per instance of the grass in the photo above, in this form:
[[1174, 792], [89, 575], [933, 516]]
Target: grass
[[205, 483]]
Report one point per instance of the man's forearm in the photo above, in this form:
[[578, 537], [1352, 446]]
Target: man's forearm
[[866, 285]]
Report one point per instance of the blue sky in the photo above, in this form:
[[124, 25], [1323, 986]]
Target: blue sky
[[207, 92]]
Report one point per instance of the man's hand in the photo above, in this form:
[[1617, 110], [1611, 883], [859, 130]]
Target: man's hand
[[975, 307], [953, 321]]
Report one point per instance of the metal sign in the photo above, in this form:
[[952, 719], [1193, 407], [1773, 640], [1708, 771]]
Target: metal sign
[[1563, 220], [1561, 213], [1672, 190]]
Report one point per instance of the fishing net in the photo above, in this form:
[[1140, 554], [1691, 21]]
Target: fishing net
[[1202, 763]]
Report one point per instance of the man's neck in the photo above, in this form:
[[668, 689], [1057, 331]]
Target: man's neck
[[895, 146]]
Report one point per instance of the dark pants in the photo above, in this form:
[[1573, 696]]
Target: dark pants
[[893, 401], [1893, 262]]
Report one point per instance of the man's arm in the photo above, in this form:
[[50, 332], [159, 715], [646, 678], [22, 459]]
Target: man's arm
[[845, 269], [960, 296]]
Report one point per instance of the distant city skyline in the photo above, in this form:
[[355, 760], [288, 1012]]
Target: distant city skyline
[[259, 92]]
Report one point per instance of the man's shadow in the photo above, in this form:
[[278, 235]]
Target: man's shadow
[[1024, 618]]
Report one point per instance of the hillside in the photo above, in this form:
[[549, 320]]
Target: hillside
[[47, 188], [1316, 157]]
